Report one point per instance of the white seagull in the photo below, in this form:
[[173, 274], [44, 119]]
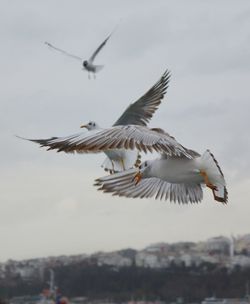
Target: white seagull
[[179, 179], [88, 65], [138, 113]]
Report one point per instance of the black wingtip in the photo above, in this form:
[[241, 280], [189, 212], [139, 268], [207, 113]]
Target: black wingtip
[[20, 137], [167, 75]]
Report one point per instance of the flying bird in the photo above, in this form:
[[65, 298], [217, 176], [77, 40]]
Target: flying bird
[[133, 120], [88, 65], [178, 179]]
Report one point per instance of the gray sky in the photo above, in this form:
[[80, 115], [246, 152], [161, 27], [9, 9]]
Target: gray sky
[[48, 205]]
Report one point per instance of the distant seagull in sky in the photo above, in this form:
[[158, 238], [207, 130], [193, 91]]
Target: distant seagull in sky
[[88, 65], [138, 113]]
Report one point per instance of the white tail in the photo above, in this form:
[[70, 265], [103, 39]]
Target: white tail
[[215, 176], [98, 68]]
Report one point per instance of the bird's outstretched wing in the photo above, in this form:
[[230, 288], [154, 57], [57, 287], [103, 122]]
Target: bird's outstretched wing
[[63, 52], [117, 137], [142, 110], [92, 58], [122, 184]]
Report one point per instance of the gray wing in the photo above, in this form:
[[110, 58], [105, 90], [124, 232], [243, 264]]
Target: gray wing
[[190, 152], [121, 184], [92, 58], [118, 137], [142, 110], [67, 144], [63, 52]]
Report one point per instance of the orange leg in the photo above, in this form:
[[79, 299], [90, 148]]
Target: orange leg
[[136, 179], [207, 181]]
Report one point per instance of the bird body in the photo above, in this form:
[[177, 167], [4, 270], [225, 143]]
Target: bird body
[[176, 170], [120, 159], [90, 67], [117, 159], [185, 170]]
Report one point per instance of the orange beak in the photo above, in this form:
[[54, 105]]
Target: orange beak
[[137, 177], [83, 126]]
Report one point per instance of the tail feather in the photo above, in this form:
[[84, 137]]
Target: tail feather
[[98, 68], [215, 175]]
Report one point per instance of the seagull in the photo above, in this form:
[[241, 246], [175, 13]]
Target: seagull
[[88, 65], [178, 179], [137, 114]]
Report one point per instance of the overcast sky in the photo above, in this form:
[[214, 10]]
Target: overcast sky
[[48, 205]]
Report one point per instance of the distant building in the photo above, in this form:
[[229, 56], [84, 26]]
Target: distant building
[[113, 259], [242, 245], [241, 260], [146, 259], [219, 246], [158, 248]]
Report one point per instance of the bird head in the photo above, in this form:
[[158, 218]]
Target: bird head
[[90, 126], [142, 172]]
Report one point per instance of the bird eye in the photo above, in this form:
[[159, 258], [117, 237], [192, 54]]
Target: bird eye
[[94, 124], [146, 164], [139, 167], [90, 123]]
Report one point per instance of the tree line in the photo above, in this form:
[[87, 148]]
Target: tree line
[[126, 283]]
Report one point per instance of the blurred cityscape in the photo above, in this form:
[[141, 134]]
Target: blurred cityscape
[[218, 258], [221, 250]]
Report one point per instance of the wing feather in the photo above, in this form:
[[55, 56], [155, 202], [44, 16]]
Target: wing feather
[[63, 52], [142, 110], [122, 137], [121, 184], [92, 58]]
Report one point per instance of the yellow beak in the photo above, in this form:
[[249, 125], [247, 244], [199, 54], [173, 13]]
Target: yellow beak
[[137, 177], [83, 126]]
